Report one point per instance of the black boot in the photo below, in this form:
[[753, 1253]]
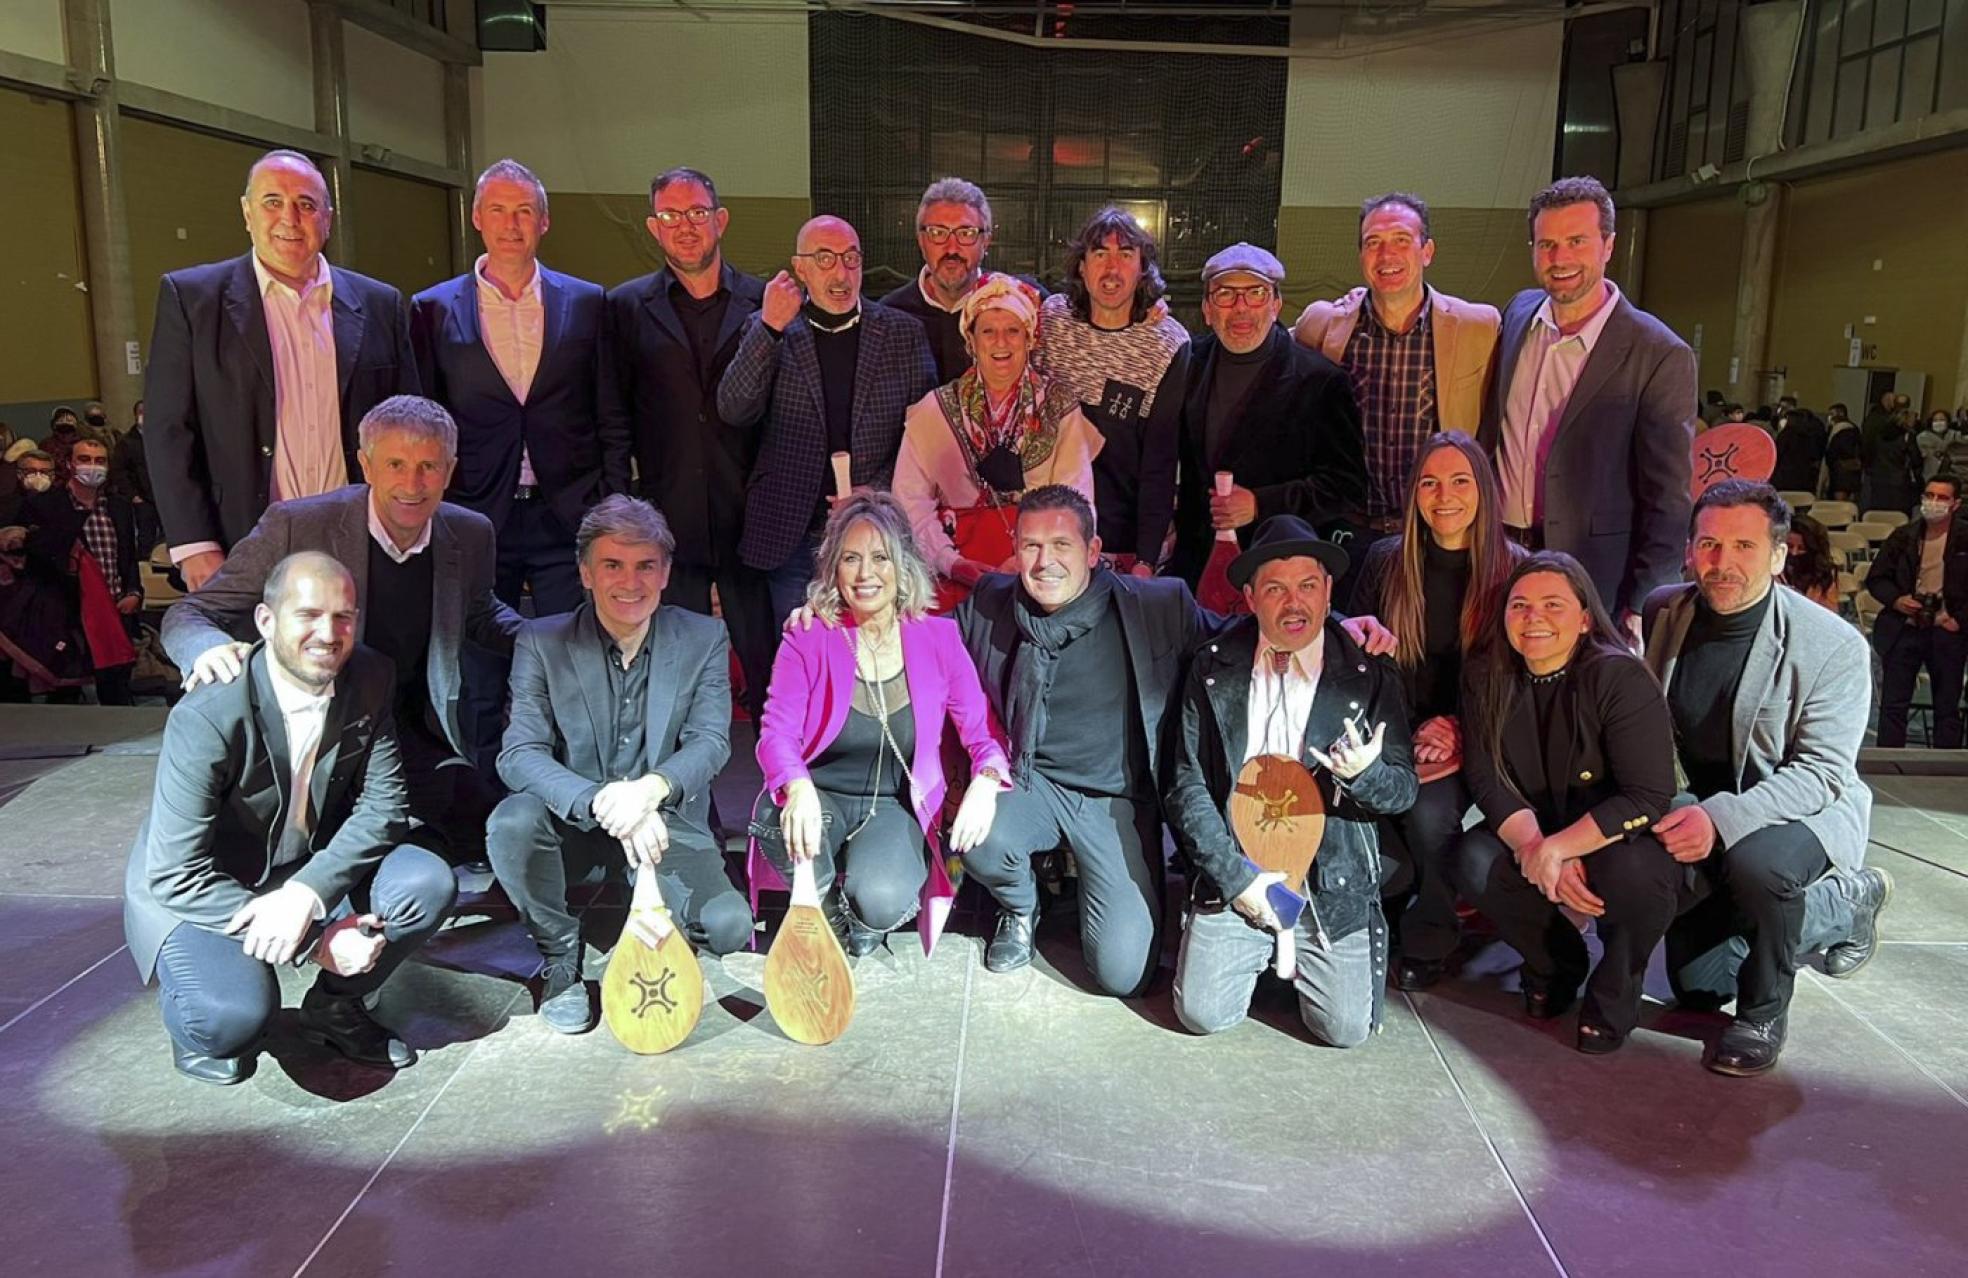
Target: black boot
[[344, 1024], [220, 1071], [1870, 896], [1749, 1047], [1011, 946]]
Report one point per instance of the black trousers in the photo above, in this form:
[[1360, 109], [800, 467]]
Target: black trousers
[[217, 1001], [537, 549], [1944, 654], [1636, 879], [747, 609], [537, 856], [882, 867], [1118, 843], [1421, 842], [1750, 912]]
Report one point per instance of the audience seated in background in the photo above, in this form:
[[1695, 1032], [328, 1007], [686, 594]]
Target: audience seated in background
[[1810, 570]]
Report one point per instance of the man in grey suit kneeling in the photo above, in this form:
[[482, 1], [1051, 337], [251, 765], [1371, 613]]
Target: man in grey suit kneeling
[[621, 716]]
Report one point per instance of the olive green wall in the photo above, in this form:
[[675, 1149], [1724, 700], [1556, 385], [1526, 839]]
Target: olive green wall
[[403, 237], [46, 350], [603, 237], [1480, 254], [1694, 252]]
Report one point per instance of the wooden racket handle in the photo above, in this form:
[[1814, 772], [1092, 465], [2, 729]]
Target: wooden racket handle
[[1285, 961], [843, 473], [1225, 481]]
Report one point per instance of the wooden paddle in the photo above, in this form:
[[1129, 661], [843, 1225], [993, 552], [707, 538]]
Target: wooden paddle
[[1278, 816], [808, 986], [651, 995], [843, 464], [1733, 450]]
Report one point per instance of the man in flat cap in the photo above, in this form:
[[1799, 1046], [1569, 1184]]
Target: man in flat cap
[[1288, 681], [1278, 416]]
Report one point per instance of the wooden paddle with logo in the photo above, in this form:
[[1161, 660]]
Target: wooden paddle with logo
[[808, 987], [1733, 450], [651, 994], [1278, 816], [1213, 588]]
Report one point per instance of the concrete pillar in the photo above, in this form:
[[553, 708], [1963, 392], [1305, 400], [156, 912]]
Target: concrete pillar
[[1769, 35], [1637, 91], [457, 154], [1755, 286], [1961, 368], [331, 98], [105, 228]]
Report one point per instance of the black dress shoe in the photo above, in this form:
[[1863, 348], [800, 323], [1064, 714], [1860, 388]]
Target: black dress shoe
[[564, 1002], [1699, 1001], [1011, 947], [1869, 899], [1749, 1047], [344, 1024], [863, 940], [1417, 974], [1544, 1000], [220, 1071], [1597, 1040]]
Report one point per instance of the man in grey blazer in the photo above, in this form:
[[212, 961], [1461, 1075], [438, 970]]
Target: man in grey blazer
[[1769, 694], [621, 717], [279, 807], [423, 573], [1592, 410]]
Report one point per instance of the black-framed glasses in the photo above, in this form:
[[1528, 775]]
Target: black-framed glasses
[[1228, 295], [695, 216], [827, 259], [964, 235]]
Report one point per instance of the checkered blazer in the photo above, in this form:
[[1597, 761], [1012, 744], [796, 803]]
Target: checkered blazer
[[777, 381]]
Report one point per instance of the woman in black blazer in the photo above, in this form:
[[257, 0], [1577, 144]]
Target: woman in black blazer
[[1571, 759]]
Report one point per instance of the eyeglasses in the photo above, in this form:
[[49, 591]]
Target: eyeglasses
[[964, 235], [1227, 295], [696, 217], [827, 259]]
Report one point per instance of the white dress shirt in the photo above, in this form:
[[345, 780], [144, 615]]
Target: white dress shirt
[[305, 715], [1281, 704], [1548, 367], [307, 451], [388, 543], [513, 330]]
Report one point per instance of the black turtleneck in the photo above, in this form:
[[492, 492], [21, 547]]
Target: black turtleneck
[[1444, 582], [1703, 695], [1231, 383], [837, 345]]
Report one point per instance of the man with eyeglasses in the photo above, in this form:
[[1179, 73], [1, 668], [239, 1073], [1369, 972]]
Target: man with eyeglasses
[[953, 230], [1280, 417], [820, 372], [668, 338]]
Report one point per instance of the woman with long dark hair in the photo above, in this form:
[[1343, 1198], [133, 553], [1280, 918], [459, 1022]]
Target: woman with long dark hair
[[1809, 569], [1437, 586], [1571, 758]]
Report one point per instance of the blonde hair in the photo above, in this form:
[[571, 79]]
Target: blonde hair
[[915, 589]]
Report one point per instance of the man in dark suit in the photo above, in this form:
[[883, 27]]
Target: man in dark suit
[[669, 338], [1801, 438], [1592, 410], [826, 373], [621, 717], [278, 806], [423, 577], [261, 367], [511, 348], [1278, 416]]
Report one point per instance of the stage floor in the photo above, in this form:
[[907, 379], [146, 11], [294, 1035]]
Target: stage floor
[[968, 1124]]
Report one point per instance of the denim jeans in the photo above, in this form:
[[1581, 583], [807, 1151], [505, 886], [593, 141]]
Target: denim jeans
[[1223, 955]]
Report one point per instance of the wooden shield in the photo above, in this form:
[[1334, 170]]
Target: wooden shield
[[1736, 450], [1278, 816], [652, 996], [808, 987]]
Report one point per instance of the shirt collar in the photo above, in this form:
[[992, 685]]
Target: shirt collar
[[531, 293], [1589, 335], [322, 279], [382, 538], [929, 295], [1305, 663], [1420, 325], [293, 698]]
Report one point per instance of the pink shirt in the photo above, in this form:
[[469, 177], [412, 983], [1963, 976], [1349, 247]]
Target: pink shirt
[[1548, 367], [307, 450], [513, 330]]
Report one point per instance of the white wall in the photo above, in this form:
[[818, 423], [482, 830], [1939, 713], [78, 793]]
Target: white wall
[[32, 27], [250, 55], [396, 95], [618, 97], [1465, 122]]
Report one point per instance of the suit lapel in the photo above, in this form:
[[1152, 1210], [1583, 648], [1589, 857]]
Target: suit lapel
[[1758, 677], [735, 313], [1227, 684], [1672, 632], [662, 684], [1516, 324], [351, 546], [1133, 637], [248, 315], [1608, 354], [657, 303], [554, 301], [447, 610], [471, 332], [333, 725], [1443, 328], [868, 365], [347, 305], [273, 735], [588, 656], [806, 368]]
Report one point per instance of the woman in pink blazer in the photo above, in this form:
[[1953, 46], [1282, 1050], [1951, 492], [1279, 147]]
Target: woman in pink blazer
[[854, 718]]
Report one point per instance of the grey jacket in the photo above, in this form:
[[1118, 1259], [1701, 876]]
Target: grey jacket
[[1800, 715], [337, 523]]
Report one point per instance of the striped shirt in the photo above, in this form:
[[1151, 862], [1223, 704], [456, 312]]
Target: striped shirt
[[99, 539], [1393, 376]]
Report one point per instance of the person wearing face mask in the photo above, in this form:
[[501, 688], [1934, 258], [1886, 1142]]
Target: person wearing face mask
[[818, 372], [1932, 441], [969, 448], [82, 541], [28, 469], [1921, 576]]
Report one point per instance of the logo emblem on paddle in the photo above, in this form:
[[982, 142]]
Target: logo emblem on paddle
[[653, 990], [1734, 450], [1279, 817], [808, 987]]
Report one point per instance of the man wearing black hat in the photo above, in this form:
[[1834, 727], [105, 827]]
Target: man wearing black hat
[[1281, 418], [1288, 681]]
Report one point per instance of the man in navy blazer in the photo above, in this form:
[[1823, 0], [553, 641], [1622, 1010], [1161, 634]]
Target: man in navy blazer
[[827, 373], [1592, 411], [242, 412], [511, 348], [668, 339]]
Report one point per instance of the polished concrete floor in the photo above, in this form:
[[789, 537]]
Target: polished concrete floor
[[967, 1124]]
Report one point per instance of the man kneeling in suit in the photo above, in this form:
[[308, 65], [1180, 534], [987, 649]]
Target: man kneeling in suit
[[279, 806], [621, 716]]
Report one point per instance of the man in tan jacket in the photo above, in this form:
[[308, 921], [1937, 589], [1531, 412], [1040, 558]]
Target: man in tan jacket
[[1419, 360]]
